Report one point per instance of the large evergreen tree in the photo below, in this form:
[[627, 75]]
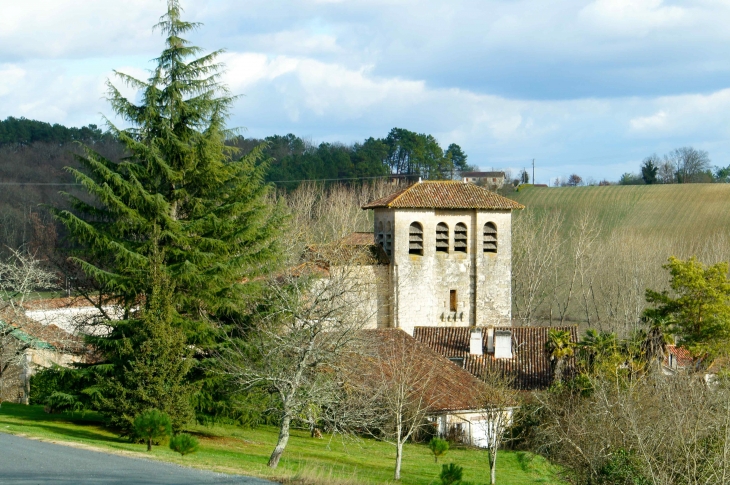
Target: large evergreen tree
[[181, 207]]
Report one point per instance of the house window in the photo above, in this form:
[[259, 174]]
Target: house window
[[490, 237], [442, 238], [452, 300], [415, 239], [460, 238]]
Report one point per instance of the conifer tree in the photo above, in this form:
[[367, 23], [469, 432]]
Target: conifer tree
[[181, 206]]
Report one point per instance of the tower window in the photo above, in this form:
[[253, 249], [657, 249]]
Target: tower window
[[442, 238], [415, 239], [452, 300], [380, 234], [490, 237], [460, 238]]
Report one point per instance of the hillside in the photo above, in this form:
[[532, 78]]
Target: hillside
[[687, 211]]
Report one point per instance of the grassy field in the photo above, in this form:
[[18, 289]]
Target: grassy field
[[690, 210], [232, 449]]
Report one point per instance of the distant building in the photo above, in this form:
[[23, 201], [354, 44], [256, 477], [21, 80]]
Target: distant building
[[492, 180]]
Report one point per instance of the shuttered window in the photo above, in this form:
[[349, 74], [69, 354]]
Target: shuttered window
[[490, 237], [415, 239], [442, 238], [460, 238]]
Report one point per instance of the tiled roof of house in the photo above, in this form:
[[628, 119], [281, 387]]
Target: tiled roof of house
[[448, 387], [681, 354], [444, 195], [529, 366], [358, 239], [353, 249]]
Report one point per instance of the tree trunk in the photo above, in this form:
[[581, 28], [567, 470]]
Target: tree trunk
[[281, 444], [398, 458], [493, 466], [149, 444]]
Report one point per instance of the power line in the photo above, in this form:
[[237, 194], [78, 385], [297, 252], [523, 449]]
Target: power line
[[39, 183], [272, 181]]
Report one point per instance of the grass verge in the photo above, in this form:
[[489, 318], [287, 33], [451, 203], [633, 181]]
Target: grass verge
[[231, 449]]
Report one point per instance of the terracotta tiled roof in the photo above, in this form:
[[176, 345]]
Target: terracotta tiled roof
[[529, 366], [444, 195], [448, 387], [358, 239], [346, 253], [681, 354]]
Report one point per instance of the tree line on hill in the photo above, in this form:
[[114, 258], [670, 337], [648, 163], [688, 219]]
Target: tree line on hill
[[22, 131], [684, 165], [33, 155]]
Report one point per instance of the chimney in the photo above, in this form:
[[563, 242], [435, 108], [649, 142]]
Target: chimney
[[490, 340], [502, 344], [476, 343]]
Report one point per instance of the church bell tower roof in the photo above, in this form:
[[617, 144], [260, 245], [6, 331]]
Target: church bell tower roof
[[444, 195]]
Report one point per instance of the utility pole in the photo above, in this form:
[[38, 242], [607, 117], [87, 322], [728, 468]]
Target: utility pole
[[533, 171]]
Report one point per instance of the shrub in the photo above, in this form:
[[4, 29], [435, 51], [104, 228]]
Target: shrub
[[451, 474], [184, 444], [152, 425], [438, 447], [622, 469]]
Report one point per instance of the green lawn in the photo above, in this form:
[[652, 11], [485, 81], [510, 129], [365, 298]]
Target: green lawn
[[232, 449]]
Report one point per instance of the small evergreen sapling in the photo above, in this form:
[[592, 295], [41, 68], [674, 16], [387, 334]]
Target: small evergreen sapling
[[451, 474], [184, 444], [438, 447], [152, 425]]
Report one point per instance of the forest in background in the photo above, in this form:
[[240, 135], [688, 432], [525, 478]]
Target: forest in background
[[33, 155]]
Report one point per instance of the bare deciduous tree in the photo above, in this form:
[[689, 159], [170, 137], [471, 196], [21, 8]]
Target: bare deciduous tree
[[21, 275], [652, 428], [311, 320], [536, 243], [497, 414], [400, 383]]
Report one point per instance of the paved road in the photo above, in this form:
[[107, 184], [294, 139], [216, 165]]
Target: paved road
[[26, 462]]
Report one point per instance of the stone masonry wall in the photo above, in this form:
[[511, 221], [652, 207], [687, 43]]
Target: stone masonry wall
[[421, 285]]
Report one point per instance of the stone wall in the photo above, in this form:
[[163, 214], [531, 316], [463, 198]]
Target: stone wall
[[421, 286]]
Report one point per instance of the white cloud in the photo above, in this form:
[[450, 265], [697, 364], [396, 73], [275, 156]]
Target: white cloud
[[653, 122], [632, 17], [10, 77]]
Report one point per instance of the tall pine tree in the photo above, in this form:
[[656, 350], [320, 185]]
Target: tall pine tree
[[181, 208]]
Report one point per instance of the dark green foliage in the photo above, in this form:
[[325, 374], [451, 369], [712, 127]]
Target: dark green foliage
[[152, 426], [458, 158], [438, 447], [172, 233], [649, 169], [630, 179], [416, 155], [60, 388], [22, 131], [526, 419], [184, 444], [622, 469], [295, 160], [151, 365], [451, 474]]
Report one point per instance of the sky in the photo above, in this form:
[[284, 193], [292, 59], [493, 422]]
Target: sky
[[586, 87]]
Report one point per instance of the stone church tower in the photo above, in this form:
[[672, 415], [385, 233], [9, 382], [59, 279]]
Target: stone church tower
[[450, 256]]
